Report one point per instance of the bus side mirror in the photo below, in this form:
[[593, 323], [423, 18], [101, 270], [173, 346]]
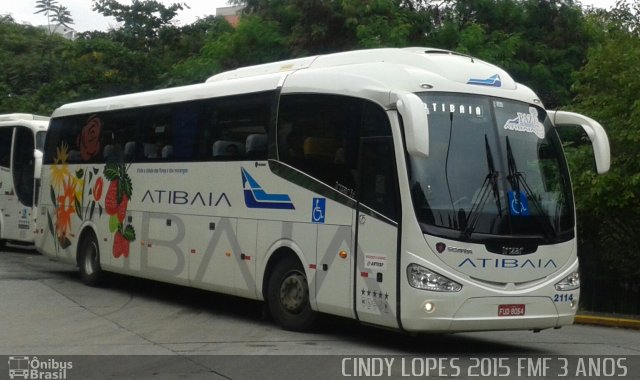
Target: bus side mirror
[[594, 130], [37, 163], [416, 125]]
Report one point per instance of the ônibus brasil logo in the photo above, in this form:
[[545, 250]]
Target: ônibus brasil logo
[[24, 367]]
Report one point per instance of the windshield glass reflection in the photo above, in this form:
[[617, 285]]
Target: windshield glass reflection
[[495, 167]]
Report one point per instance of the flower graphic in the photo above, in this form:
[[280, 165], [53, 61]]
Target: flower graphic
[[78, 183], [89, 138], [64, 212], [68, 195], [60, 169]]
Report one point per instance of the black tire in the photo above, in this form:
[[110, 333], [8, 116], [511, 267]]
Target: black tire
[[89, 260], [288, 296]]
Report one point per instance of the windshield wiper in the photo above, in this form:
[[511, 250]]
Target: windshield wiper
[[490, 184], [516, 178]]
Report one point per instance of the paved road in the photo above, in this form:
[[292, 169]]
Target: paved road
[[46, 310]]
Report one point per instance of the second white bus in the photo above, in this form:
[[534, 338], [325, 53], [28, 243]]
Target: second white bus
[[21, 143], [416, 189]]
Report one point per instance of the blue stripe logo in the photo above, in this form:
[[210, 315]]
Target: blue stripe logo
[[256, 197], [492, 81]]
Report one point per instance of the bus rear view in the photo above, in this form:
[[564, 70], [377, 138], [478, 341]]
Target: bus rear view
[[21, 144]]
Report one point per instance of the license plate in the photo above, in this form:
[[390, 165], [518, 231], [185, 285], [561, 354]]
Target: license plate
[[512, 310]]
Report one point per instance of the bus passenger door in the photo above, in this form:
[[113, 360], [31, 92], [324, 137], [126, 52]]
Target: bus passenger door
[[7, 195], [22, 166], [377, 233]]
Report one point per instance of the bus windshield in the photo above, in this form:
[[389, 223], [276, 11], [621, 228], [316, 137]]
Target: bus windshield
[[495, 168]]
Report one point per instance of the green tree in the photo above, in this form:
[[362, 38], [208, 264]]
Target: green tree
[[149, 38], [56, 14], [607, 89], [254, 41], [541, 43], [22, 69], [386, 23], [61, 16], [142, 21], [193, 63], [316, 27], [46, 7], [99, 67]]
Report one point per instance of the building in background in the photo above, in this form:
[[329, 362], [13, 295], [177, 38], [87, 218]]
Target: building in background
[[231, 14], [64, 31]]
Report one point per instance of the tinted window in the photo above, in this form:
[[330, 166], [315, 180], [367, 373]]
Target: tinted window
[[318, 134], [23, 165], [231, 128], [6, 135], [495, 167], [344, 142]]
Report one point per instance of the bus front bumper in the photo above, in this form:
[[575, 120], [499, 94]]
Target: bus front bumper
[[487, 314]]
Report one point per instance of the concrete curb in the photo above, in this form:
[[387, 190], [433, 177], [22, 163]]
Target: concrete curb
[[607, 321]]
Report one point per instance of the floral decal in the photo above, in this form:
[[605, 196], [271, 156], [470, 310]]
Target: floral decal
[[59, 169], [64, 211], [115, 204], [80, 193], [68, 197], [89, 138]]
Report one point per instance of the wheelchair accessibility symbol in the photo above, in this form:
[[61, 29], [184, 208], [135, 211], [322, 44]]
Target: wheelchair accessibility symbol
[[518, 206], [318, 210]]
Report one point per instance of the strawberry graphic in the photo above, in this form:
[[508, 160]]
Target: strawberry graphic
[[120, 245], [116, 203], [111, 200], [122, 208]]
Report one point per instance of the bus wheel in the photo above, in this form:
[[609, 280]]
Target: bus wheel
[[89, 260], [288, 296]]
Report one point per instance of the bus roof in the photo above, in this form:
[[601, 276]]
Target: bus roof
[[34, 122], [22, 116], [373, 74], [447, 64]]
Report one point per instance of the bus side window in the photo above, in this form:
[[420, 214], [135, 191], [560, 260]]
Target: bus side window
[[236, 127], [318, 134], [157, 134], [256, 146], [5, 146], [130, 151], [223, 149]]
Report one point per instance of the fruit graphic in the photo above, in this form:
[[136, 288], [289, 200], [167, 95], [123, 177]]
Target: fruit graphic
[[122, 208], [120, 245], [116, 203], [111, 201]]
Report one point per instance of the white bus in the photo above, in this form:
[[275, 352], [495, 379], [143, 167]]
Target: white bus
[[21, 144], [415, 189]]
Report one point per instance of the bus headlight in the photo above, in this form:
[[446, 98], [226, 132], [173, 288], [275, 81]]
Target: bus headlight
[[422, 278], [570, 282]]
